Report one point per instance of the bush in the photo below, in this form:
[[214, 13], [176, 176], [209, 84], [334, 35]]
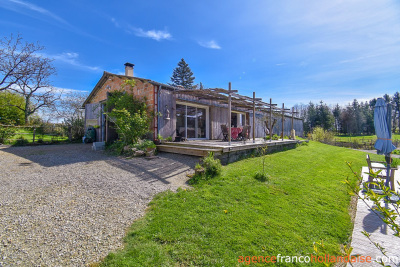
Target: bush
[[144, 144], [212, 166], [129, 114], [275, 137], [74, 128], [21, 141], [209, 168], [319, 134], [169, 139], [6, 133], [356, 143], [261, 176]]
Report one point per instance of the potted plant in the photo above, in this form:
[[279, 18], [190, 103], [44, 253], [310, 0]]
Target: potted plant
[[150, 150], [158, 140]]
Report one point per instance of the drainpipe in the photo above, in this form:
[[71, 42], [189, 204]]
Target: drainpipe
[[158, 109]]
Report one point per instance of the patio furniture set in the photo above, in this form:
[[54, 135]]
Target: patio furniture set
[[237, 133]]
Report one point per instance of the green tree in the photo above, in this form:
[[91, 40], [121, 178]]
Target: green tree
[[325, 117], [368, 112], [129, 114], [396, 109], [9, 114], [337, 110], [309, 117], [182, 75]]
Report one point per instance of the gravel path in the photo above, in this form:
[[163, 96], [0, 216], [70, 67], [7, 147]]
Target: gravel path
[[65, 205]]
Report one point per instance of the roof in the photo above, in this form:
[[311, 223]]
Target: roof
[[237, 100], [216, 94], [107, 75]]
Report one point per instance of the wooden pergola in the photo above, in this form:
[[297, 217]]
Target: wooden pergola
[[231, 97]]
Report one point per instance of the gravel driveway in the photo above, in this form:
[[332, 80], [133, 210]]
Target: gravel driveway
[[66, 205]]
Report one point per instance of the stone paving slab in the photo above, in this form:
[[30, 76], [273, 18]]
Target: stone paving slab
[[367, 220]]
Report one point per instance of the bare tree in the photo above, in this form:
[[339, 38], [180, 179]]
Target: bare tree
[[70, 105], [35, 87], [16, 60], [26, 72], [69, 109]]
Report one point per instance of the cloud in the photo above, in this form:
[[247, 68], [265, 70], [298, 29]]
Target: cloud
[[37, 12], [209, 44], [157, 35], [22, 6], [115, 22], [71, 58]]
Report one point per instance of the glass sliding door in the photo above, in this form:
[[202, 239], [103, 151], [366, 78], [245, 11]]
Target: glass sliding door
[[191, 121], [201, 123], [180, 120]]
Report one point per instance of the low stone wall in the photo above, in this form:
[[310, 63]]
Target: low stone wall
[[232, 156]]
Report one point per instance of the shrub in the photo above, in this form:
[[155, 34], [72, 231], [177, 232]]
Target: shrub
[[115, 147], [129, 114], [261, 176], [144, 144], [319, 134], [209, 168], [356, 143], [6, 133], [74, 128], [275, 137], [169, 138], [212, 166], [21, 141]]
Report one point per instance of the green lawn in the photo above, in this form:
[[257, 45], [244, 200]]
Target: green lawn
[[349, 138], [28, 135], [236, 215]]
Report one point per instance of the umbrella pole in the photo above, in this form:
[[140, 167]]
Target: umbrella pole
[[388, 158]]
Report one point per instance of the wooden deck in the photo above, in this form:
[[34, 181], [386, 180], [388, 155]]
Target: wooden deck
[[227, 153]]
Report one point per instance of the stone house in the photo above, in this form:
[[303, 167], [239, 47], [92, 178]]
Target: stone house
[[193, 114]]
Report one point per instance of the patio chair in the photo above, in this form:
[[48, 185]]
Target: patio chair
[[376, 166], [245, 134], [224, 130]]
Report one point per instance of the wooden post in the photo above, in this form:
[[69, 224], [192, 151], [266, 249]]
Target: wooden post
[[283, 118], [229, 115], [254, 117], [34, 133], [291, 132], [107, 128], [270, 119]]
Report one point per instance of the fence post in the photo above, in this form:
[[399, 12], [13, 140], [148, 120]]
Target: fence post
[[34, 133]]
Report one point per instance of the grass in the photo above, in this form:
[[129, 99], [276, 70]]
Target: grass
[[349, 138], [28, 135], [235, 215]]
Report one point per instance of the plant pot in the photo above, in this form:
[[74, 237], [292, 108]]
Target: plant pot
[[157, 142]]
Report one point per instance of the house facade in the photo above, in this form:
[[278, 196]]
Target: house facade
[[193, 114]]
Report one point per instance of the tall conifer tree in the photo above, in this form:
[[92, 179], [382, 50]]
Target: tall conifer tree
[[182, 75]]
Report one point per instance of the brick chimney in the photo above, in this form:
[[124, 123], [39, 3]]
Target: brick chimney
[[129, 69]]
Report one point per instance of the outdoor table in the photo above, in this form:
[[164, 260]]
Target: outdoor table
[[235, 131]]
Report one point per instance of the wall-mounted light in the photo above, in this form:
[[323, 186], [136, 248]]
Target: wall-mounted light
[[167, 113]]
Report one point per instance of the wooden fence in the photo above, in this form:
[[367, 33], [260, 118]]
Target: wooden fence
[[49, 133], [365, 144]]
